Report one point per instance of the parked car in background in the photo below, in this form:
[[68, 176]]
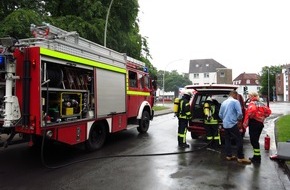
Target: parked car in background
[[218, 92]]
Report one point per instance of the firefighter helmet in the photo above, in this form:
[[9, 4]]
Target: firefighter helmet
[[188, 93]]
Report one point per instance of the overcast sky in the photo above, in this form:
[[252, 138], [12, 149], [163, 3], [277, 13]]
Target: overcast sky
[[243, 35]]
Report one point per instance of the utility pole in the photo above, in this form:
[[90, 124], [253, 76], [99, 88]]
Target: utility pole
[[106, 24], [268, 99]]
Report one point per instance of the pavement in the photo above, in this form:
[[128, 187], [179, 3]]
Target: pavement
[[285, 165], [282, 163]]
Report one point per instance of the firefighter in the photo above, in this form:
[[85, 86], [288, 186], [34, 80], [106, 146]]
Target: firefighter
[[211, 109], [255, 115], [184, 115]]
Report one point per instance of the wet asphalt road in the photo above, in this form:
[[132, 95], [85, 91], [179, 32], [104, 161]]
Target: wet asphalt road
[[201, 168]]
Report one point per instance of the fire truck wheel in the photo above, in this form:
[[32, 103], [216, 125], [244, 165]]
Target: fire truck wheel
[[144, 122], [97, 137]]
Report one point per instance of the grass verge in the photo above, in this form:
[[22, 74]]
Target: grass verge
[[283, 128], [158, 108]]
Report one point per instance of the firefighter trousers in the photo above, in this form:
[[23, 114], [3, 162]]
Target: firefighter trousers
[[182, 129], [212, 134], [255, 130]]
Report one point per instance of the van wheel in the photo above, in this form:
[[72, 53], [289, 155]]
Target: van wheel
[[144, 122], [193, 135], [97, 137]]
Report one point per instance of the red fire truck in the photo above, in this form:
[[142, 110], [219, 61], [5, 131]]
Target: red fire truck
[[65, 88]]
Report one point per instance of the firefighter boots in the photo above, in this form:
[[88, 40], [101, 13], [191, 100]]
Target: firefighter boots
[[183, 145], [256, 159]]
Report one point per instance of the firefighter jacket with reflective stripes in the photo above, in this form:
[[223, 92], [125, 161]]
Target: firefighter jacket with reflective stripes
[[209, 110], [184, 109]]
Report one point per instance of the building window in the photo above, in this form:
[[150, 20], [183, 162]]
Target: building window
[[248, 81], [206, 75], [206, 83], [196, 83], [196, 75], [287, 87], [222, 74], [258, 88]]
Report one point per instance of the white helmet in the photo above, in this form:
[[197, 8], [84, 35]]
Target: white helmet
[[187, 93], [209, 98]]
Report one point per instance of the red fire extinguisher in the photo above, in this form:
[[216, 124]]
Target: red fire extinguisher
[[267, 142]]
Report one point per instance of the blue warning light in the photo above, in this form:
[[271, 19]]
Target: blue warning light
[[2, 62]]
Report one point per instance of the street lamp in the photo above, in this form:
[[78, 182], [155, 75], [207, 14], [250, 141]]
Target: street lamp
[[164, 77], [268, 87], [107, 18]]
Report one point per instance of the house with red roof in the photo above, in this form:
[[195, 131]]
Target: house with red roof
[[247, 82]]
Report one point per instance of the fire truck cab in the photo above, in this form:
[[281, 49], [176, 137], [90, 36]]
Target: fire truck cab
[[65, 88]]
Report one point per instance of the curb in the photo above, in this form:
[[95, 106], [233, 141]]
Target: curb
[[162, 112], [281, 163]]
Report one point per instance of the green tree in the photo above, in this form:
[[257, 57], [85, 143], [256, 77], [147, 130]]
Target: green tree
[[87, 17], [172, 80], [267, 79], [17, 23]]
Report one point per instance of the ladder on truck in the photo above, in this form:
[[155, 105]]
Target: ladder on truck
[[57, 39]]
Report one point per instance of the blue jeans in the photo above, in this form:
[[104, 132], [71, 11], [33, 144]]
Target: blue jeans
[[233, 133]]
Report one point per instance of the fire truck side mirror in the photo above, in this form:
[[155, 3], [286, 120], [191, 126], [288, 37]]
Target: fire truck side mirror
[[154, 84]]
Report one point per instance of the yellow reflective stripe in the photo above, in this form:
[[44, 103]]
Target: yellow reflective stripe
[[257, 152], [181, 135], [211, 122], [68, 57], [184, 138], [138, 93]]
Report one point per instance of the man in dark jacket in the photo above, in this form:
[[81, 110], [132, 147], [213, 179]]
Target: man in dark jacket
[[184, 115]]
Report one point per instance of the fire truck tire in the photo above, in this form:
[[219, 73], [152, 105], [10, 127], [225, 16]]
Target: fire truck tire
[[97, 137], [144, 122]]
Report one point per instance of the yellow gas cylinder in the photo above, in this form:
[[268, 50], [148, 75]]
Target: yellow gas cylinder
[[176, 105]]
